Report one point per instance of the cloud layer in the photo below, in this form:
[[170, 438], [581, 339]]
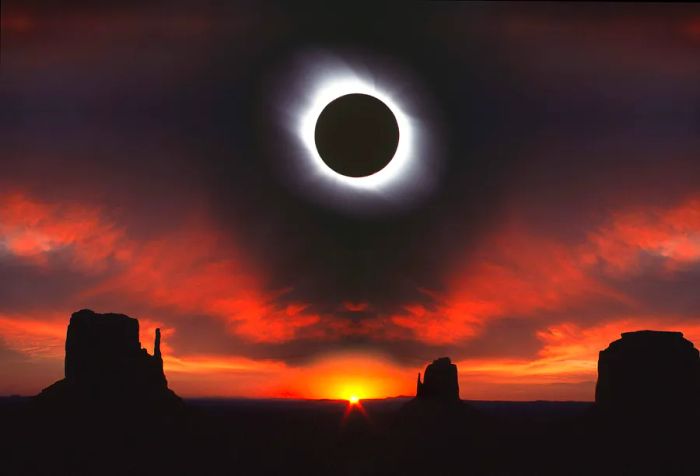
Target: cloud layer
[[139, 179]]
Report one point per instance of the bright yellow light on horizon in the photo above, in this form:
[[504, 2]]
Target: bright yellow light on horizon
[[356, 375], [353, 400]]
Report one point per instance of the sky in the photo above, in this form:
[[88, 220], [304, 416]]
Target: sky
[[151, 164]]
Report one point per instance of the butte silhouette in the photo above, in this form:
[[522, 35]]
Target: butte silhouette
[[105, 367], [649, 373], [438, 394], [440, 381]]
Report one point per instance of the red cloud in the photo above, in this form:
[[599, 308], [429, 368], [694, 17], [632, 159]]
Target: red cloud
[[671, 234], [355, 306], [566, 365], [33, 229], [192, 269], [37, 337], [518, 272]]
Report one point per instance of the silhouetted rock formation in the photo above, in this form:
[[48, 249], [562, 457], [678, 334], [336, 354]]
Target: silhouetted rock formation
[[437, 394], [647, 373], [435, 429], [439, 381], [105, 364]]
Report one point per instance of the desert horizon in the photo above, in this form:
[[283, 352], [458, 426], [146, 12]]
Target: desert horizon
[[427, 238]]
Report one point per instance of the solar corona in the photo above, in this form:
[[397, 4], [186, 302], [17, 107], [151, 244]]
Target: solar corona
[[356, 134]]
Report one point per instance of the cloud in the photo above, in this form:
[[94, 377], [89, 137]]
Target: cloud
[[34, 337], [516, 276], [565, 366], [35, 230], [518, 272], [672, 235], [189, 271], [138, 180]]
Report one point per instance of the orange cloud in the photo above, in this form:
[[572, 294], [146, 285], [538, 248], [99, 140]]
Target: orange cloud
[[192, 269], [36, 337], [671, 234], [569, 355], [571, 342], [33, 229], [518, 272], [190, 272]]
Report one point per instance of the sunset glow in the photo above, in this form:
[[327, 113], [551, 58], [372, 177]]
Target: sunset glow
[[186, 190], [34, 231], [420, 238]]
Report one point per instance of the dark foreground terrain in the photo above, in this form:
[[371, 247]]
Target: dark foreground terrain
[[322, 437]]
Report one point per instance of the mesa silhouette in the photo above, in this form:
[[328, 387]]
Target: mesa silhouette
[[106, 366], [113, 414], [441, 382], [436, 412], [650, 373]]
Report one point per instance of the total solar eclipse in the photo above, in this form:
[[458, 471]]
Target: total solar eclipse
[[361, 136], [356, 135]]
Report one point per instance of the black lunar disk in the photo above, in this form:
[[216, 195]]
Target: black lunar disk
[[357, 135]]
